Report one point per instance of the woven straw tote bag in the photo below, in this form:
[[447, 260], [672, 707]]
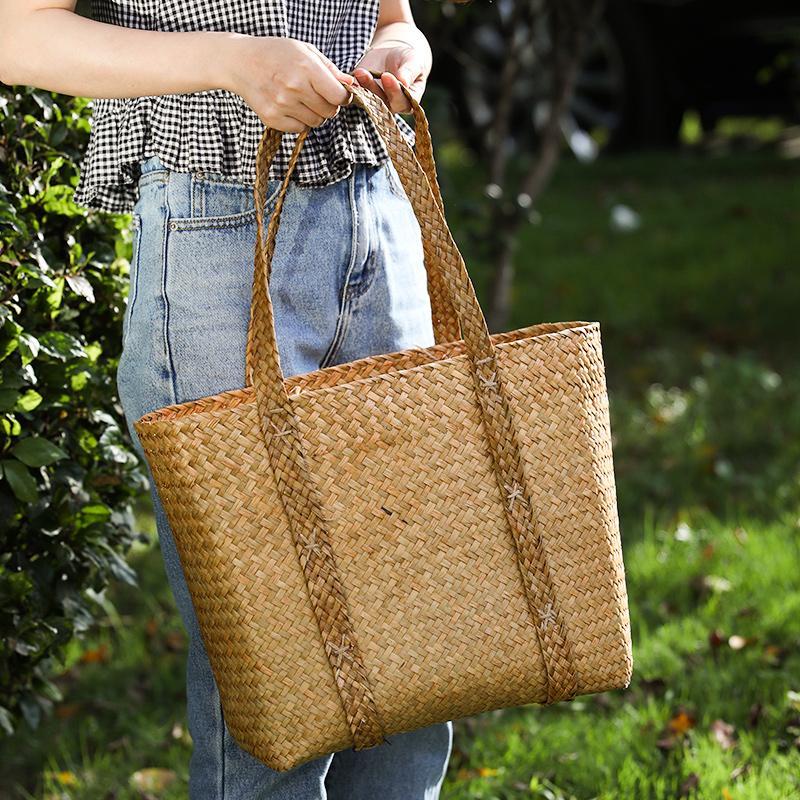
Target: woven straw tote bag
[[405, 539]]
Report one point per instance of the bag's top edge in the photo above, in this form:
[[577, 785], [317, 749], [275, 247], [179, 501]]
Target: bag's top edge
[[324, 379]]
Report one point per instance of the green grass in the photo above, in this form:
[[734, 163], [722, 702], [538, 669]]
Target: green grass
[[698, 311]]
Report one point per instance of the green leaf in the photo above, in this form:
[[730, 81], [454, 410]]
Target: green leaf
[[37, 452], [28, 347], [61, 345], [5, 721], [79, 380], [80, 285], [21, 481], [29, 400], [119, 567], [31, 710], [8, 399], [96, 512]]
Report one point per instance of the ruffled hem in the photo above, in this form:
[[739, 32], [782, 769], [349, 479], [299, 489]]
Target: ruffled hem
[[213, 131]]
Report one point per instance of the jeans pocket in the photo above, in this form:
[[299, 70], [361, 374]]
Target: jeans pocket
[[219, 202]]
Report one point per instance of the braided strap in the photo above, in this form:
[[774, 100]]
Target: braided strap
[[445, 323], [296, 486]]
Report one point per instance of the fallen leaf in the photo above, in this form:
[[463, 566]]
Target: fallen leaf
[[488, 772], [716, 583], [67, 710], [681, 723], [122, 742], [773, 655], [755, 714], [715, 639], [740, 771], [724, 733], [667, 743], [152, 779], [726, 795], [65, 778], [689, 785], [175, 641], [96, 655]]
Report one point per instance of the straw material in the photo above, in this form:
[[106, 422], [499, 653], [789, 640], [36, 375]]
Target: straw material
[[405, 539]]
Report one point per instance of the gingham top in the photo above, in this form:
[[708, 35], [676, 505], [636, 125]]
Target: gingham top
[[215, 130]]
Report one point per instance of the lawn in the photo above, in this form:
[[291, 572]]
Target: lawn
[[698, 311]]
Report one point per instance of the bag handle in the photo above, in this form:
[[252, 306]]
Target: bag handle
[[440, 250], [301, 497], [445, 323]]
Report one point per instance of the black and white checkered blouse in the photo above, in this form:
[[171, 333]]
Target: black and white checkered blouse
[[216, 131]]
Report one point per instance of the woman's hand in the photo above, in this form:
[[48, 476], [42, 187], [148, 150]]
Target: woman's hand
[[290, 84], [401, 53]]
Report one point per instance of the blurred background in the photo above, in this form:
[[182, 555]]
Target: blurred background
[[634, 162]]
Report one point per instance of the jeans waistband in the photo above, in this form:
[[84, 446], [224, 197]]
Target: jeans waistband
[[151, 164]]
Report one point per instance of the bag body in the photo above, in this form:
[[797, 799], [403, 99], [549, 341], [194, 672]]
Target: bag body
[[407, 538]]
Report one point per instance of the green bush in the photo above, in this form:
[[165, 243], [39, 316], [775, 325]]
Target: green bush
[[67, 473]]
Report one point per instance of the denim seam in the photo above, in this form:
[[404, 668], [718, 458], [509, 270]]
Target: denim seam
[[133, 284], [221, 728], [359, 288], [164, 295], [199, 223], [152, 177], [197, 206], [393, 178], [343, 316]]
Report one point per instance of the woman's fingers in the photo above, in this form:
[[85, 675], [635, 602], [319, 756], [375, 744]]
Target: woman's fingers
[[284, 123], [366, 80], [329, 82], [395, 98]]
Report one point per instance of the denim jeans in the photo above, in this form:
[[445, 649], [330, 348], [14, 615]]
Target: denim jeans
[[348, 280]]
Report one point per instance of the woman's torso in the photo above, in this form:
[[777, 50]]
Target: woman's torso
[[215, 130]]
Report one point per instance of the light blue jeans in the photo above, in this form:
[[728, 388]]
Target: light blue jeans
[[348, 280]]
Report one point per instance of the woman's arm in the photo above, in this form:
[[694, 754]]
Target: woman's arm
[[288, 83]]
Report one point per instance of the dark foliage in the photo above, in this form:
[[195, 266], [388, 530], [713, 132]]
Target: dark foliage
[[67, 474]]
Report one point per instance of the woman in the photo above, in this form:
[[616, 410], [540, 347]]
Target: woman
[[200, 79]]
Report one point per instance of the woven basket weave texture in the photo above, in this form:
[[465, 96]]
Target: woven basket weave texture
[[417, 598]]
